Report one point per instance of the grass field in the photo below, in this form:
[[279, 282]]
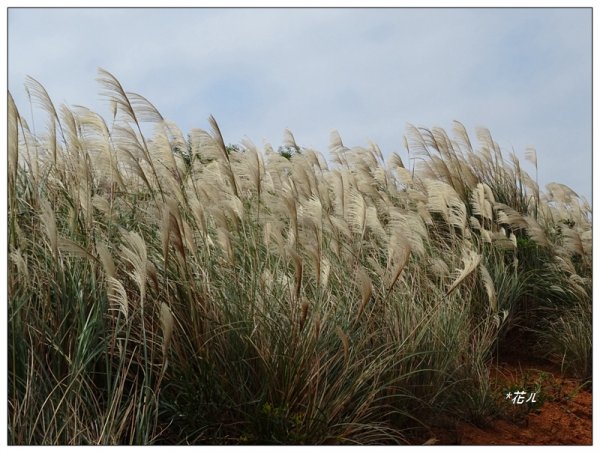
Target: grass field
[[171, 289]]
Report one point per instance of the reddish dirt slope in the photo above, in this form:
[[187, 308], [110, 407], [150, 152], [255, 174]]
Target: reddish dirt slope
[[565, 418]]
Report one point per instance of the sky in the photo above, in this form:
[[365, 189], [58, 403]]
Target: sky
[[523, 73]]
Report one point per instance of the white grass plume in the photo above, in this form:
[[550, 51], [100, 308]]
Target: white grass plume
[[470, 261], [135, 253]]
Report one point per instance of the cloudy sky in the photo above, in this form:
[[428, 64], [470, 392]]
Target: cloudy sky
[[526, 74]]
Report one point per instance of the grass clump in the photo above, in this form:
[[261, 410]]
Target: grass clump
[[222, 295]]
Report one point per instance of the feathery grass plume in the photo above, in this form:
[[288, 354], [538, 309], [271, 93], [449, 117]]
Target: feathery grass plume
[[73, 142], [316, 160], [324, 195], [410, 227], [144, 110], [474, 223], [135, 253], [218, 138], [266, 281], [438, 267], [488, 283], [513, 240], [279, 169], [167, 322], [357, 212], [290, 203], [376, 151], [517, 172], [438, 194], [252, 167], [443, 199], [488, 146], [298, 270], [117, 296], [101, 204], [119, 98], [335, 182], [462, 136], [337, 149], [507, 215], [116, 94], [536, 232], [325, 267], [272, 233], [398, 256], [404, 176], [36, 91], [478, 201], [572, 241], [303, 176], [13, 141], [340, 227], [68, 246], [98, 141], [586, 242], [489, 193], [22, 269], [84, 202], [188, 236], [161, 150], [48, 219], [561, 193], [127, 143], [288, 140], [458, 215], [311, 213], [106, 259], [531, 156], [375, 226], [224, 240], [395, 162], [471, 260], [460, 177], [366, 289], [486, 236], [501, 240]]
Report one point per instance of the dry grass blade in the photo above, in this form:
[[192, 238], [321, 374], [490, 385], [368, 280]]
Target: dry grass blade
[[345, 342]]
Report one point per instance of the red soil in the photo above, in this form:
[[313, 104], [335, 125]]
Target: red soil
[[564, 418]]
